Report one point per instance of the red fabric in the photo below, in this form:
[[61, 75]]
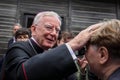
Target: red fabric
[[26, 78]]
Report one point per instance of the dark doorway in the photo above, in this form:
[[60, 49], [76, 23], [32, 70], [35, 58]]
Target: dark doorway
[[28, 19]]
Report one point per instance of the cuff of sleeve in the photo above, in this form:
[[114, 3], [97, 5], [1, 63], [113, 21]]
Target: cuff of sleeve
[[71, 52]]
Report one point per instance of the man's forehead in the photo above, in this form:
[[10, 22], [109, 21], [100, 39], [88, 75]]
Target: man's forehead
[[51, 24], [16, 27]]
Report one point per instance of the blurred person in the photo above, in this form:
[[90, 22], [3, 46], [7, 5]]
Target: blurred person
[[16, 27], [12, 40], [64, 37], [22, 34], [103, 51], [31, 60]]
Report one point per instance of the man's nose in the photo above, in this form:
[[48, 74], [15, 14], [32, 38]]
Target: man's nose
[[54, 31]]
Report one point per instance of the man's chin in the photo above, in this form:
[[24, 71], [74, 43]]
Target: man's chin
[[49, 46]]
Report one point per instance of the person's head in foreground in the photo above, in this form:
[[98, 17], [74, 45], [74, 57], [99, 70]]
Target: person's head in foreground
[[103, 51]]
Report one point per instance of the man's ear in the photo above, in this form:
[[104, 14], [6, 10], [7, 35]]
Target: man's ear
[[33, 28], [103, 54]]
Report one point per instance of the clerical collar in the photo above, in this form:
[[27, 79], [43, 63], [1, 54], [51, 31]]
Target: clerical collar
[[34, 41], [36, 46]]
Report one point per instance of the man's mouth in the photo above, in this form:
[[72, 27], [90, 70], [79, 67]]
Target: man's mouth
[[51, 40]]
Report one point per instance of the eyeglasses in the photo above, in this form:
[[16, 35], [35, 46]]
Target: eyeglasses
[[52, 28]]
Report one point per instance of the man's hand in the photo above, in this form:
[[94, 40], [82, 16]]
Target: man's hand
[[81, 39], [82, 64]]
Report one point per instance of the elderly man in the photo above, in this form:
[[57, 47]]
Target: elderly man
[[30, 60], [16, 27]]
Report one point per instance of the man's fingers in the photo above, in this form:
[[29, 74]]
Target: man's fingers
[[94, 27]]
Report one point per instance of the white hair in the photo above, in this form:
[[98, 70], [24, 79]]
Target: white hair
[[45, 13], [17, 24]]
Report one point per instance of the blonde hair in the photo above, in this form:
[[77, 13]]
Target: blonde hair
[[108, 36]]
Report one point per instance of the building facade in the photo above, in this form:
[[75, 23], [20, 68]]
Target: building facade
[[76, 14]]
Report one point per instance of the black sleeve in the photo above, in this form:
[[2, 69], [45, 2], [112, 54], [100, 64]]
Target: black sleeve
[[50, 65]]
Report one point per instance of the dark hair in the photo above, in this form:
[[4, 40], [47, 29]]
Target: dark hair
[[65, 35], [22, 31]]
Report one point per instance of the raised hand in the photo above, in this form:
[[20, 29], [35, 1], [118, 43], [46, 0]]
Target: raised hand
[[81, 39]]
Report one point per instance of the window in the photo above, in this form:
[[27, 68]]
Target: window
[[28, 19]]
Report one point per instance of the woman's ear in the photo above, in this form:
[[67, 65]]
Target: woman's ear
[[103, 54]]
